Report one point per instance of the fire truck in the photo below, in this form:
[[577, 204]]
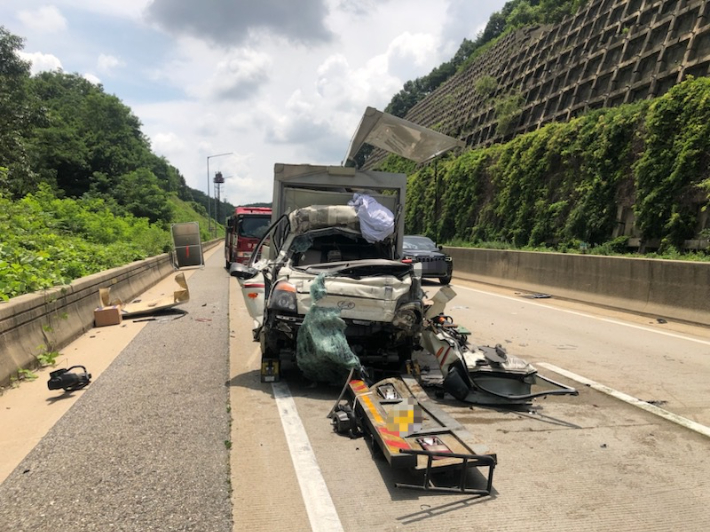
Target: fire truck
[[244, 229]]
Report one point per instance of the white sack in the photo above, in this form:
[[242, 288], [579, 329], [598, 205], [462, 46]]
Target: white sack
[[376, 220]]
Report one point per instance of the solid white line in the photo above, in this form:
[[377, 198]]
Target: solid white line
[[687, 423], [607, 320], [319, 505]]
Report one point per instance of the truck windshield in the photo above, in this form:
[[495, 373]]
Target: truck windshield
[[254, 226], [319, 247]]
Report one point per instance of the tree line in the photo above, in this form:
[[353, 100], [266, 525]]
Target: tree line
[[68, 133]]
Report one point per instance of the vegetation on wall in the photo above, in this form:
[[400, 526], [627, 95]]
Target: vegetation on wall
[[673, 173], [561, 185]]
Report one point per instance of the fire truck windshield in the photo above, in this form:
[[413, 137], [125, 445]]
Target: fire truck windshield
[[253, 226]]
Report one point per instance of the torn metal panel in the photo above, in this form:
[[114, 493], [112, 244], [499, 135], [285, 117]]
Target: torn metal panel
[[399, 136]]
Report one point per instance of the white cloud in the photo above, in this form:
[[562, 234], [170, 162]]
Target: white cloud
[[281, 82], [107, 63], [237, 77], [41, 62], [408, 50], [46, 19], [131, 9], [92, 79]]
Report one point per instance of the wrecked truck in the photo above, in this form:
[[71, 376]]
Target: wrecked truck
[[323, 220]]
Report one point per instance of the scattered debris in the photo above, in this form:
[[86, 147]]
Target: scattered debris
[[67, 381], [661, 320], [537, 296]]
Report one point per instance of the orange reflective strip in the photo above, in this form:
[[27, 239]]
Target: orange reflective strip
[[443, 359]]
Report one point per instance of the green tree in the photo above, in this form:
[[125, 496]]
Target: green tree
[[87, 133], [140, 194], [18, 115]]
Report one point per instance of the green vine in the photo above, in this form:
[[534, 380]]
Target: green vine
[[562, 185]]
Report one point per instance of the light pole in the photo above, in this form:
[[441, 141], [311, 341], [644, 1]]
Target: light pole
[[209, 215]]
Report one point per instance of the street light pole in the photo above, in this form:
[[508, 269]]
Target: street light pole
[[209, 210]]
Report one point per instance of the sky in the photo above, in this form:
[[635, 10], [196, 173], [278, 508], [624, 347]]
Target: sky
[[237, 86]]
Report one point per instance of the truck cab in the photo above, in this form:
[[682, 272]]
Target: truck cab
[[244, 229]]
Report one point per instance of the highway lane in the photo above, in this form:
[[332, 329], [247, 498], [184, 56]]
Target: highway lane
[[667, 363], [567, 463]]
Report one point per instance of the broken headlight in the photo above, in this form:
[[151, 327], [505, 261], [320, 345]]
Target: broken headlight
[[283, 297]]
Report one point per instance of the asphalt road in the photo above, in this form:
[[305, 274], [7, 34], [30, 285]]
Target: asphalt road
[[590, 462], [158, 442]]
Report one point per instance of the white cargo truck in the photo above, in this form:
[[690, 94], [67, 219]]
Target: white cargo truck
[[314, 231], [341, 228]]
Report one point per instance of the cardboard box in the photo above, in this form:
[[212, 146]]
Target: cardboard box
[[107, 316]]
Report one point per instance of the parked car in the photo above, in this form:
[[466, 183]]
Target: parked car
[[435, 263]]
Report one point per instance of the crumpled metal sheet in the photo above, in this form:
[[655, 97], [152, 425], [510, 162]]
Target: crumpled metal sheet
[[139, 307]]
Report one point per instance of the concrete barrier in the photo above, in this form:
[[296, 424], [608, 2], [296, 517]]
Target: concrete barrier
[[678, 290], [51, 319]]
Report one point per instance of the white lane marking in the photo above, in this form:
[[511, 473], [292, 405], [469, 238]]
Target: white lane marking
[[607, 320], [319, 505], [687, 423]]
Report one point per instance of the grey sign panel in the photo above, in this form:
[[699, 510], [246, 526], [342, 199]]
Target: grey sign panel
[[187, 244]]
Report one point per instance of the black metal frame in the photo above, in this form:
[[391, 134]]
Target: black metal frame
[[468, 461]]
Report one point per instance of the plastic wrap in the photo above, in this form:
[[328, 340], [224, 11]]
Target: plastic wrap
[[322, 351], [376, 220]]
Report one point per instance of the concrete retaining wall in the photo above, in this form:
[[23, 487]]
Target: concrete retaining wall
[[675, 290], [49, 320]]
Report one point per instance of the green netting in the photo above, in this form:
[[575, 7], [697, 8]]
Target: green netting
[[322, 351]]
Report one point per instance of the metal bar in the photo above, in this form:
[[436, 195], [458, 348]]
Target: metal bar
[[466, 459]]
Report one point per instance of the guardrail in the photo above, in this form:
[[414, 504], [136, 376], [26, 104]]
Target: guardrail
[[678, 290], [49, 320]]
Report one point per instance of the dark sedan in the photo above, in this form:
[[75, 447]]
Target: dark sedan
[[435, 263]]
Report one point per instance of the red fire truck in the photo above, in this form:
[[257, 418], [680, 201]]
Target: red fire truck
[[244, 230]]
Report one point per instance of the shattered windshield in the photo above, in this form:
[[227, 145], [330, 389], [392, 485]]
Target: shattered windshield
[[334, 245]]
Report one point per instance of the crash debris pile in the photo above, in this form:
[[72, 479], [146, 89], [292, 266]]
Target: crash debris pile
[[322, 352]]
